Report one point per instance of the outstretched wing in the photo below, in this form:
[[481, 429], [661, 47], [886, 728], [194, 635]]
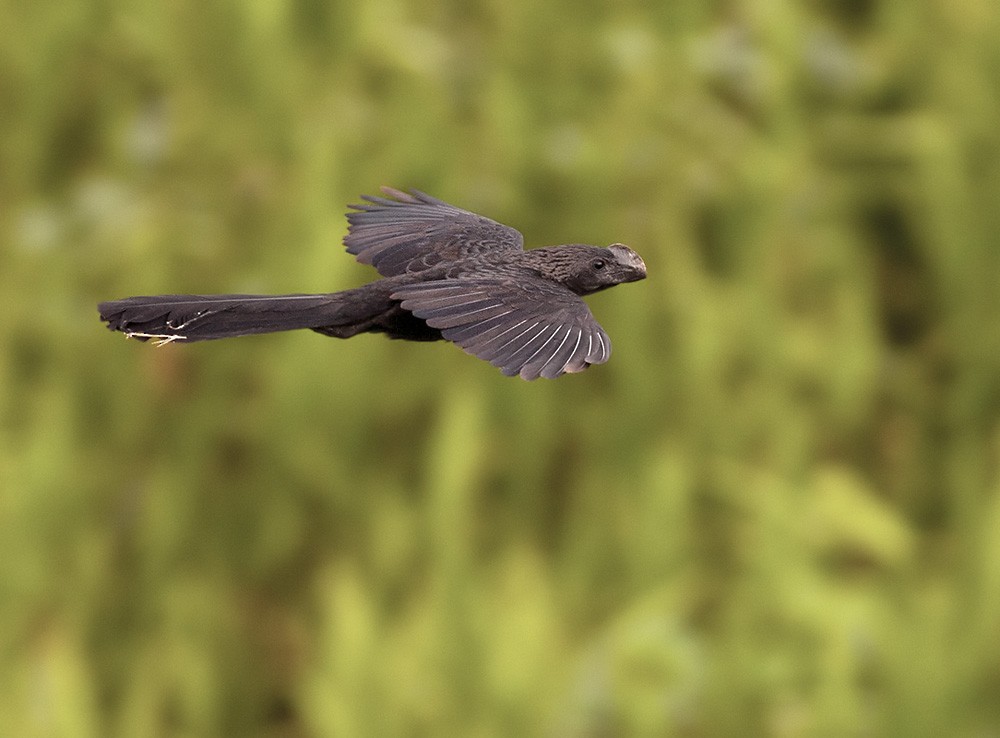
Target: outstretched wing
[[410, 232], [530, 327]]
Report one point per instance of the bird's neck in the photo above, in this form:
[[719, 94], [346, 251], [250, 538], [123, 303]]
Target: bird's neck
[[547, 261]]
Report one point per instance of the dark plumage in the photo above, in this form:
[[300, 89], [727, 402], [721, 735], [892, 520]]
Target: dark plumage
[[447, 273]]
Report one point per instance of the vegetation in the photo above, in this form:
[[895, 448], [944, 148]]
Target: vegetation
[[776, 511]]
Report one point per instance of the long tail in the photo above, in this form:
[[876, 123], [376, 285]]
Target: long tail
[[185, 318]]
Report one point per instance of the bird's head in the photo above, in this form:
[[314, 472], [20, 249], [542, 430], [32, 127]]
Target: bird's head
[[589, 269]]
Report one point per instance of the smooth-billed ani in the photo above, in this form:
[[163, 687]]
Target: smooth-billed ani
[[447, 274]]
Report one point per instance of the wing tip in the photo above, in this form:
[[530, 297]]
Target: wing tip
[[398, 195]]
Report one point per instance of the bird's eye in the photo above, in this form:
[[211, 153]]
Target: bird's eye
[[598, 264]]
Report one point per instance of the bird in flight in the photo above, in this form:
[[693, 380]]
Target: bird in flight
[[447, 274]]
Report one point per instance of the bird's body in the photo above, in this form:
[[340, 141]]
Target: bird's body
[[447, 274]]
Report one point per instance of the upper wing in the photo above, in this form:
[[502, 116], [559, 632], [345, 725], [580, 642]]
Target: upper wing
[[410, 232], [528, 327]]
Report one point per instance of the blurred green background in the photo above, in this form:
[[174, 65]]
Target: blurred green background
[[775, 512]]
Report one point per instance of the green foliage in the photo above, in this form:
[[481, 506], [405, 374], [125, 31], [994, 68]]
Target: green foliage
[[774, 512]]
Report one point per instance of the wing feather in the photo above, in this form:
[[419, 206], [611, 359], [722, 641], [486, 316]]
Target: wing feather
[[559, 355], [526, 326], [531, 369], [407, 232]]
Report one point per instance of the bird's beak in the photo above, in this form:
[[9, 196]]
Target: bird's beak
[[631, 260]]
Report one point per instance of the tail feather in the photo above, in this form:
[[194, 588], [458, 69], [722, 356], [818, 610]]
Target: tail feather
[[186, 318]]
